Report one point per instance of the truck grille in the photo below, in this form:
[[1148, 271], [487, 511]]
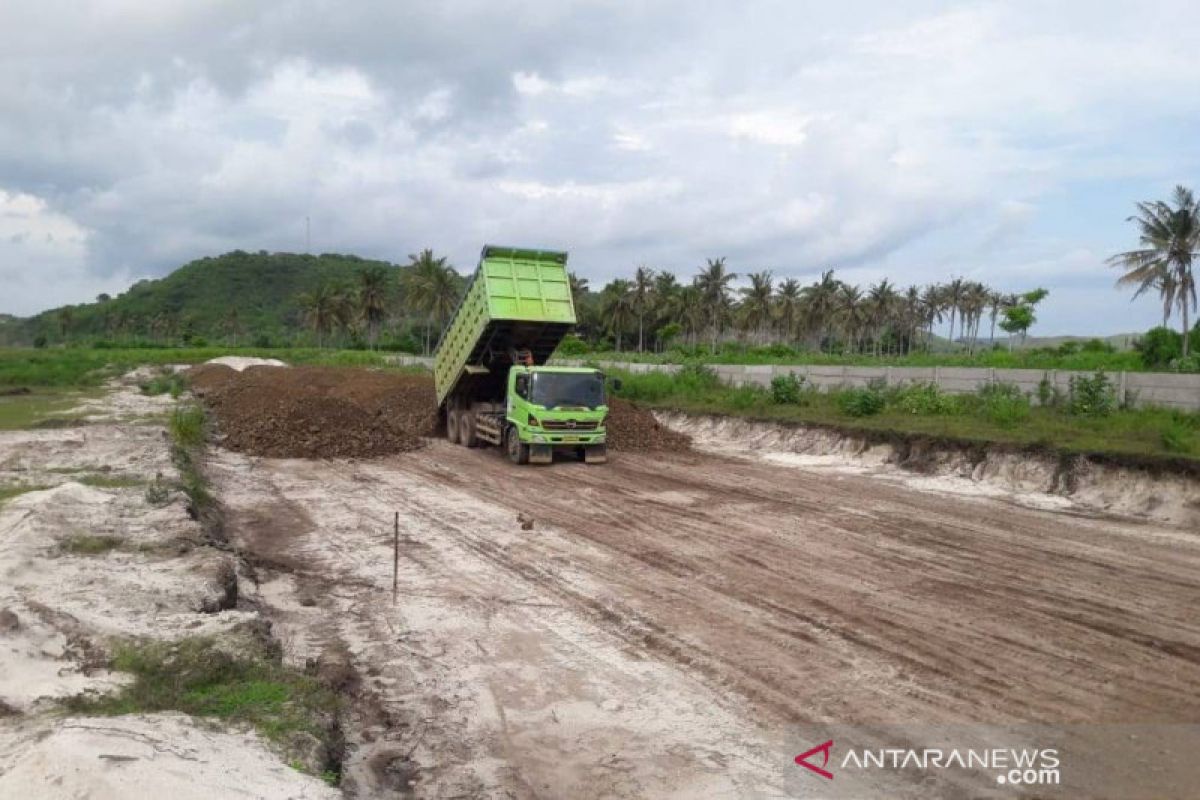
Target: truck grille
[[568, 425]]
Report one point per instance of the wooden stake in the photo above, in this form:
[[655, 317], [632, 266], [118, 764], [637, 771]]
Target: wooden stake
[[396, 559]]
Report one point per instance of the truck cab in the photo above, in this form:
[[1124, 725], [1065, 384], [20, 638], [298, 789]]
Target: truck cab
[[555, 408]]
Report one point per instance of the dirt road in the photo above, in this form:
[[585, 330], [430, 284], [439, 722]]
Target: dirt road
[[669, 619]]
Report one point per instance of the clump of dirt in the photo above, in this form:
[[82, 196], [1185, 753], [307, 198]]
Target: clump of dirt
[[317, 412], [632, 428]]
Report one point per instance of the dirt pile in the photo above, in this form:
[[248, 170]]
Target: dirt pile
[[316, 412], [632, 428]]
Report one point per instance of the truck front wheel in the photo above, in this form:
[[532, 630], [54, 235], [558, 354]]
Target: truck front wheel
[[518, 451]]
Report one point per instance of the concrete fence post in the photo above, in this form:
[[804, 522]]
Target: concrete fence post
[[887, 375], [1121, 397], [937, 377]]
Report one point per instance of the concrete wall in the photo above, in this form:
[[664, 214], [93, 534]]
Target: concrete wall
[[1165, 389]]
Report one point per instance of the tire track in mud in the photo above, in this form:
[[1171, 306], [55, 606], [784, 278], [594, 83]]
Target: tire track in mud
[[1002, 558]]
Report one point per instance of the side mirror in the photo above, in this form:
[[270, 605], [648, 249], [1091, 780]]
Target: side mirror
[[616, 384]]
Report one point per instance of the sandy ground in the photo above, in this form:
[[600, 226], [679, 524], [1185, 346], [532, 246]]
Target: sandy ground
[[60, 611], [668, 621]]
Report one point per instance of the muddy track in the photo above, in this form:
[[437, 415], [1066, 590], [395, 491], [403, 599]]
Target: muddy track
[[669, 617]]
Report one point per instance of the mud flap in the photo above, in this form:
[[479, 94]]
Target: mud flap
[[597, 454], [540, 454]]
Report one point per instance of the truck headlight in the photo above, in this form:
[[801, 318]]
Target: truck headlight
[[539, 439], [532, 422]]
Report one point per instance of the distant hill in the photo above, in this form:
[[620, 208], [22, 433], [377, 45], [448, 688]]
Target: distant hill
[[248, 296]]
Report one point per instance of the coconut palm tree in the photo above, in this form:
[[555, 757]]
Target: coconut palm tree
[[787, 308], [821, 301], [431, 288], [617, 309], [713, 283], [953, 296], [756, 305], [881, 302], [851, 314], [1169, 233], [320, 308], [371, 300], [639, 299]]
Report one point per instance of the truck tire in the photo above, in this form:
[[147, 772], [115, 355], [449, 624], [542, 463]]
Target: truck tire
[[452, 425], [518, 451], [466, 429]]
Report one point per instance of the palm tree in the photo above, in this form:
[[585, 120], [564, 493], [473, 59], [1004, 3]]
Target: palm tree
[[787, 308], [431, 288], [995, 303], [233, 325], [371, 300], [320, 308], [932, 305], [1170, 238], [666, 299], [881, 301], [616, 305], [713, 283], [851, 313], [756, 307], [639, 299], [953, 295], [66, 318], [821, 301]]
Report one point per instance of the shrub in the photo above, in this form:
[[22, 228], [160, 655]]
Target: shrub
[[1178, 438], [787, 389], [1048, 394], [1097, 346], [1091, 397], [744, 397], [572, 346], [924, 398], [39, 341], [1160, 346], [861, 402], [187, 425]]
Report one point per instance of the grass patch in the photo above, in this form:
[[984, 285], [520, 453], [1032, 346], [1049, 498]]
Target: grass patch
[[65, 367], [103, 481], [197, 676], [89, 545], [187, 425], [998, 414], [166, 381], [18, 412], [11, 490]]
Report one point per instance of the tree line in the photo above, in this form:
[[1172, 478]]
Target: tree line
[[654, 310]]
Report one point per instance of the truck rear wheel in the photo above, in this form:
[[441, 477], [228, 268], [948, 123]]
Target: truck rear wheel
[[518, 451], [452, 425], [466, 429]]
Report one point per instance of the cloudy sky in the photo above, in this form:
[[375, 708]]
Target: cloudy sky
[[1005, 142]]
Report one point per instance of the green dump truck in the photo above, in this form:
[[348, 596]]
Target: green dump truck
[[492, 387]]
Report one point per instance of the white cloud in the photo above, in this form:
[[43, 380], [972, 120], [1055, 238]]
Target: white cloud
[[884, 139]]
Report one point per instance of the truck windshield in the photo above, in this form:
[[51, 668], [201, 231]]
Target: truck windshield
[[552, 389]]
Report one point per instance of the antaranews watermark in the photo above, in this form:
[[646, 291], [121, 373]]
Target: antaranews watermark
[[1126, 761]]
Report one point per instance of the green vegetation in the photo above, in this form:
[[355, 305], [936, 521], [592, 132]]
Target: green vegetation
[[32, 410], [84, 544], [196, 676], [187, 426], [11, 490], [86, 366], [1084, 420], [105, 481], [165, 381]]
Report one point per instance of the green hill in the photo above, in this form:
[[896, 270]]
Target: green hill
[[238, 296]]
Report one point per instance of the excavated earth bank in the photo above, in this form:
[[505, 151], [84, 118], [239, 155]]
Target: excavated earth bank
[[1163, 492]]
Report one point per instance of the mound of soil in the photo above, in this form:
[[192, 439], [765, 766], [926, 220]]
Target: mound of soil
[[632, 428], [316, 412], [328, 412]]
